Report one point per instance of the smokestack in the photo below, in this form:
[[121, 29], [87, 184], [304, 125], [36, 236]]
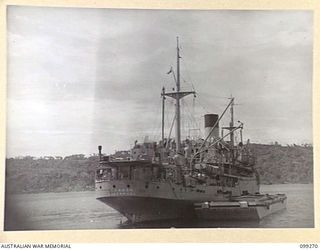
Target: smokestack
[[209, 121], [100, 148]]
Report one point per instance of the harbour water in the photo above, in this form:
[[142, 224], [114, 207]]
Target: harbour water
[[80, 210]]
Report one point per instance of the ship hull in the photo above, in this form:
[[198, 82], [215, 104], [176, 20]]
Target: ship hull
[[141, 201], [142, 209]]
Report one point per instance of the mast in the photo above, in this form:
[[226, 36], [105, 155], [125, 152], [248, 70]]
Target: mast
[[232, 122], [162, 128], [177, 96], [178, 125], [231, 129]]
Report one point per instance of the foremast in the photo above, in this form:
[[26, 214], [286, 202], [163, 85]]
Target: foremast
[[177, 95]]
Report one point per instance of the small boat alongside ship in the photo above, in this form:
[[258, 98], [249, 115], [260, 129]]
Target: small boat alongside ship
[[248, 207], [211, 178]]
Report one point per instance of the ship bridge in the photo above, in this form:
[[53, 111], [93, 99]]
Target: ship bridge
[[127, 170]]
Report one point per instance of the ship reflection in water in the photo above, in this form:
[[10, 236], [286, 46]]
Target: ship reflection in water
[[79, 210]]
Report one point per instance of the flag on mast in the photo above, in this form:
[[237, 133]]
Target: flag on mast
[[170, 71]]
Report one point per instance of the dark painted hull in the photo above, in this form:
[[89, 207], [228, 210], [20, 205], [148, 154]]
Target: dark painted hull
[[142, 201], [140, 209]]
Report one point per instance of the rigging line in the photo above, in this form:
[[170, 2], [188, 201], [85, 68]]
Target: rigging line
[[173, 109], [196, 113], [191, 115], [187, 117], [220, 97], [193, 112], [208, 103], [169, 113], [202, 106], [185, 81], [154, 123], [214, 106], [158, 121], [187, 70], [183, 118], [169, 136], [204, 101], [173, 62]]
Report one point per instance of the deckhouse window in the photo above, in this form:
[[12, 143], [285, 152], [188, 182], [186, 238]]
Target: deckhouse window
[[105, 174], [124, 173]]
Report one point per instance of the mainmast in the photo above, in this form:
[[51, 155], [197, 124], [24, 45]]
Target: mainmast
[[231, 123], [177, 96], [178, 124], [163, 106], [231, 127], [231, 131]]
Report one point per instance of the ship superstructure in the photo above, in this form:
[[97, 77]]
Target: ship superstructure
[[163, 180]]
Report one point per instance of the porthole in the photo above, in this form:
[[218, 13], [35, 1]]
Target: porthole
[[158, 187], [100, 187], [114, 186], [128, 186], [146, 186]]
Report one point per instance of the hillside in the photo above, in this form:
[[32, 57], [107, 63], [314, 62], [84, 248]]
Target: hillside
[[275, 163], [284, 164], [29, 175]]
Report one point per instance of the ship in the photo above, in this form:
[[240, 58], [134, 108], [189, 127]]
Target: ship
[[178, 178]]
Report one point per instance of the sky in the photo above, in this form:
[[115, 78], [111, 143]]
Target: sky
[[83, 77]]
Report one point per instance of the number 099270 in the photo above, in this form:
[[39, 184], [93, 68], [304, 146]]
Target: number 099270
[[308, 246]]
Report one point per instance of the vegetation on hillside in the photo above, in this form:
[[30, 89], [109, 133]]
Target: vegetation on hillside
[[275, 164], [284, 164], [50, 174]]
